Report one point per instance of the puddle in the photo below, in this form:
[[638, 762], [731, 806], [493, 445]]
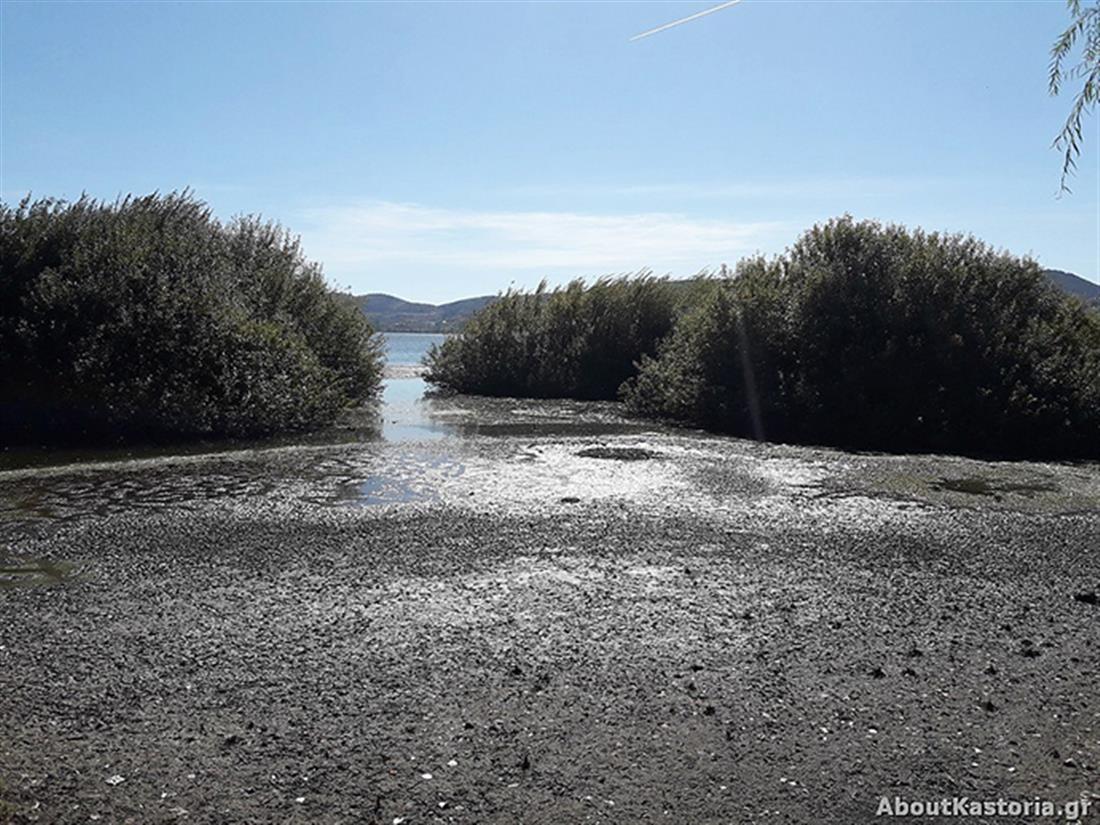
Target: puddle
[[419, 476], [977, 486], [16, 572], [373, 491], [618, 453], [125, 487]]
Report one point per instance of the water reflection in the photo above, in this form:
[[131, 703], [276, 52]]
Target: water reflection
[[407, 415], [349, 464], [417, 478], [405, 412]]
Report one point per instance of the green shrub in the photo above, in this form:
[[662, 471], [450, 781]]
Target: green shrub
[[871, 336], [148, 318], [573, 342], [725, 365]]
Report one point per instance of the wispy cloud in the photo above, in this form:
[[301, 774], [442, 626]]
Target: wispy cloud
[[353, 238], [805, 190]]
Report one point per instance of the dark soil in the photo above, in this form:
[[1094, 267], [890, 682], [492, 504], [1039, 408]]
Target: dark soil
[[734, 634], [618, 453]]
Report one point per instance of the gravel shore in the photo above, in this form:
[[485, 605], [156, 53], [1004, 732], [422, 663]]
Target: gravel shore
[[545, 626]]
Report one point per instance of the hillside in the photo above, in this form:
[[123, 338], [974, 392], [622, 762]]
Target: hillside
[[1075, 285], [390, 314]]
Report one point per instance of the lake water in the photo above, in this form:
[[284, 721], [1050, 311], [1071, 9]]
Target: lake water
[[406, 414]]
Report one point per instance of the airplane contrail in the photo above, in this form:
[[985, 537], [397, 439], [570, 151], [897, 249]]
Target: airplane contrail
[[688, 19]]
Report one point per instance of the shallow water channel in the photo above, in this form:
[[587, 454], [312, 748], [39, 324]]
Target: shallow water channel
[[521, 455], [403, 452]]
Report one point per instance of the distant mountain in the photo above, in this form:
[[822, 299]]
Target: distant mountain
[[390, 314], [1075, 285]]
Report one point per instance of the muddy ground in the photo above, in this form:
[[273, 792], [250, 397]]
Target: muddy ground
[[539, 621]]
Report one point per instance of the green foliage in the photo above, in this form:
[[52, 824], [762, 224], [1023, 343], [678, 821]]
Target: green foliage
[[148, 318], [1084, 25], [872, 336], [725, 365], [573, 342]]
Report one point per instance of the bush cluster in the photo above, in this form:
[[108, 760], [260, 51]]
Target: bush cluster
[[873, 336], [148, 318], [573, 342], [861, 335]]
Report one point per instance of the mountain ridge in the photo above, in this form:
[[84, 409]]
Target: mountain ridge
[[388, 313], [1075, 285]]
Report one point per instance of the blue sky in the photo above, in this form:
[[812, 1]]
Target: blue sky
[[441, 150]]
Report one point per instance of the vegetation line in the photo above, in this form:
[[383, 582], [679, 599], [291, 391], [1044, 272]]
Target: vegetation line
[[860, 335], [148, 319]]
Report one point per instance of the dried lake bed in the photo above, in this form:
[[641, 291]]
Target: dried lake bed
[[544, 612]]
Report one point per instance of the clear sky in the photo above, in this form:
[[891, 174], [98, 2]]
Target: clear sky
[[441, 150]]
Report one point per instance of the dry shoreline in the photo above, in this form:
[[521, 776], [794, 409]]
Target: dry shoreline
[[716, 631]]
